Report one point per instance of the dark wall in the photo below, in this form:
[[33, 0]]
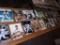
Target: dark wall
[[16, 3], [45, 39]]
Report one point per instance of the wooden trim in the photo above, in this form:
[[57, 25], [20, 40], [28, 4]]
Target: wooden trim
[[12, 8], [33, 35], [49, 7]]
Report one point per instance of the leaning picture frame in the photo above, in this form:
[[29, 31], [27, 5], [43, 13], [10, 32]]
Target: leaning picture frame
[[6, 15], [18, 15], [16, 31], [28, 29], [29, 14], [4, 33]]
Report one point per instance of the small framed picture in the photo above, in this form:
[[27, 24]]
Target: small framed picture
[[55, 21], [4, 33], [18, 14], [35, 25], [27, 27], [47, 23], [29, 14], [16, 31], [55, 14], [49, 14], [42, 24], [46, 15], [6, 15], [58, 20], [51, 21], [40, 14]]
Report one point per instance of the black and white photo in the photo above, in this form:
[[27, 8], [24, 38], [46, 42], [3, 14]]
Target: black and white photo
[[29, 15], [27, 27]]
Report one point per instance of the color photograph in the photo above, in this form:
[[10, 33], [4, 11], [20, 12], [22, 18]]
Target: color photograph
[[56, 21], [34, 12], [49, 14], [42, 24], [47, 23], [51, 21], [40, 14], [18, 14], [27, 27], [6, 15], [35, 25], [16, 31], [55, 14], [4, 33]]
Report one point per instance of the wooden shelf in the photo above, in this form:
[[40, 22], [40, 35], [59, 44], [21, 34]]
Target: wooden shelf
[[48, 7], [33, 35]]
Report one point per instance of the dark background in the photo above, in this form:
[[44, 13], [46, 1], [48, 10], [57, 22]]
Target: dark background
[[22, 4], [16, 3]]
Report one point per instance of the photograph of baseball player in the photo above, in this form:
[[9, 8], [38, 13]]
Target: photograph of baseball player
[[29, 14], [18, 14], [28, 29], [35, 25], [16, 31], [4, 33], [6, 15]]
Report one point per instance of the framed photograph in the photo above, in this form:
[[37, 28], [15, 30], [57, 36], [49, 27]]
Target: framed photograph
[[42, 24], [56, 17], [46, 15], [27, 27], [55, 14], [51, 21], [29, 14], [55, 21], [35, 13], [35, 25], [49, 14], [58, 20], [40, 14], [47, 23], [4, 33], [16, 31], [6, 15], [19, 16]]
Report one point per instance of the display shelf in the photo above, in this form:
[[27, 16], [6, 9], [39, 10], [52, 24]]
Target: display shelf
[[33, 35], [26, 37]]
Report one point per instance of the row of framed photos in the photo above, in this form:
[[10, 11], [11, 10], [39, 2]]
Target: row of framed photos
[[7, 15], [25, 22]]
